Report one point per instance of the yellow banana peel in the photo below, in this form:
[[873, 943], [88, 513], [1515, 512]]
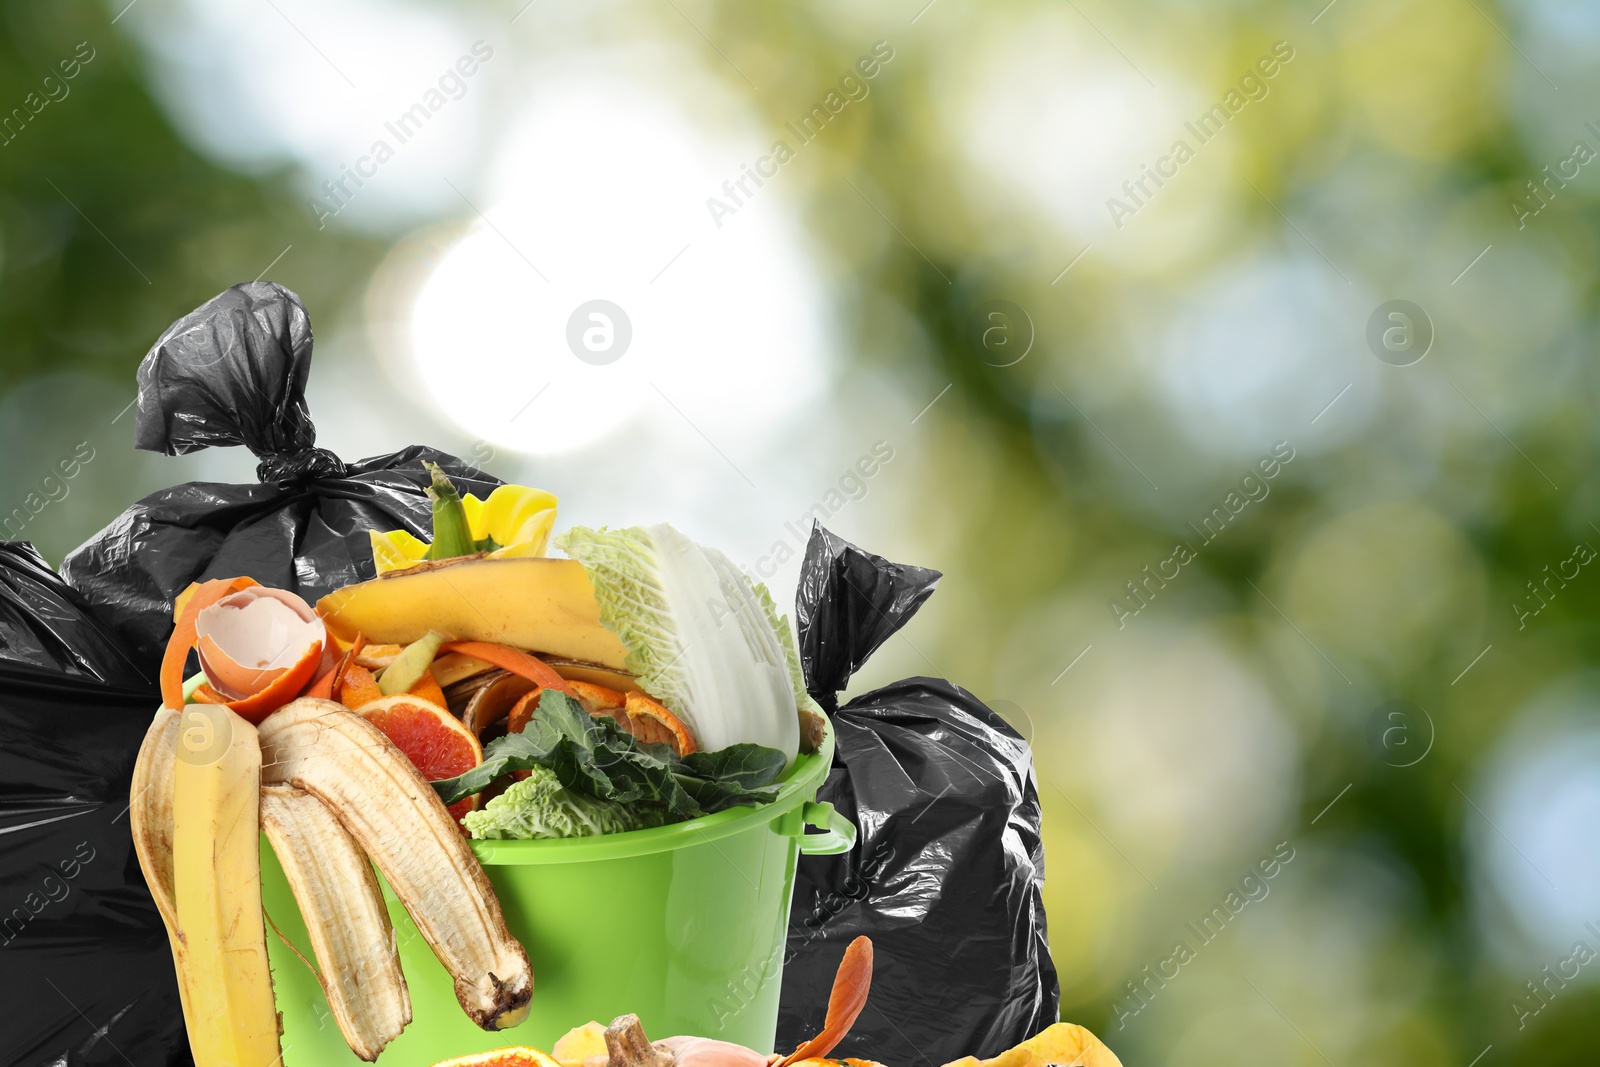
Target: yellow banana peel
[[231, 1015], [517, 517]]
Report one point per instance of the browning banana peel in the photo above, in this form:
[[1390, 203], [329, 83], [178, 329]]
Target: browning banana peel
[[396, 817], [345, 917]]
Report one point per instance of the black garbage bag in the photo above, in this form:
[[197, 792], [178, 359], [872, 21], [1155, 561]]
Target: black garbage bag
[[86, 976], [233, 371], [948, 867]]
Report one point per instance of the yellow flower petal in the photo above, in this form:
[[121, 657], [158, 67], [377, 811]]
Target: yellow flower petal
[[518, 517], [396, 550], [475, 520], [515, 515], [528, 548]]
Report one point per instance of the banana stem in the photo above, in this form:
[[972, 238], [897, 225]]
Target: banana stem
[[452, 536]]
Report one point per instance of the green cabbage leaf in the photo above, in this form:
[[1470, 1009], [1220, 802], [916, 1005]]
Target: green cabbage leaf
[[541, 807]]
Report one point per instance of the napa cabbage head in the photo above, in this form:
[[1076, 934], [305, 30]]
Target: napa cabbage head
[[541, 807], [701, 637]]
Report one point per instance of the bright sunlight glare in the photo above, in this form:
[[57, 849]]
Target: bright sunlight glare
[[598, 192]]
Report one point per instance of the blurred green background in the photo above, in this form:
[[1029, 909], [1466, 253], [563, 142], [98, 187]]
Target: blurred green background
[[1370, 674]]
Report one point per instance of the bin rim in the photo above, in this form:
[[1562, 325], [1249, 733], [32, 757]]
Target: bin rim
[[800, 784]]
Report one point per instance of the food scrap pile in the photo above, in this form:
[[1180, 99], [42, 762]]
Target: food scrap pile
[[542, 697], [475, 687]]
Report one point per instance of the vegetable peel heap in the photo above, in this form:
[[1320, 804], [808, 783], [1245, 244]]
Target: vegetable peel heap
[[664, 639], [474, 688]]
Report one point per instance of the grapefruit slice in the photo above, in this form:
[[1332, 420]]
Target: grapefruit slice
[[435, 741], [520, 1056]]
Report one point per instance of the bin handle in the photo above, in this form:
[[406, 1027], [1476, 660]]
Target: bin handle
[[838, 833]]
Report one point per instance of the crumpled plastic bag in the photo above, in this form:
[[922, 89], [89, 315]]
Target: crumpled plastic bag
[[233, 371], [86, 976], [948, 867]]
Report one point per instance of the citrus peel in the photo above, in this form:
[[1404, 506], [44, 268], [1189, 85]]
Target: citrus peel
[[187, 608], [258, 647], [517, 1056], [327, 685], [642, 716]]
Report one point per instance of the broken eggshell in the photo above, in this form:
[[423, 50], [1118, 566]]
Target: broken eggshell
[[258, 645]]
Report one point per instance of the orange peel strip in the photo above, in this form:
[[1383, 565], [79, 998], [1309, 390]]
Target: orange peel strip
[[194, 599], [357, 687], [514, 660], [327, 684], [427, 688]]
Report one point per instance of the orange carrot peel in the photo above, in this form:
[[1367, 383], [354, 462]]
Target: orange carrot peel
[[514, 660], [326, 687], [849, 997]]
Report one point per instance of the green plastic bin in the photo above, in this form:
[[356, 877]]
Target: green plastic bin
[[684, 925]]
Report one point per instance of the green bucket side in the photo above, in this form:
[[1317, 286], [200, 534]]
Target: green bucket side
[[684, 925]]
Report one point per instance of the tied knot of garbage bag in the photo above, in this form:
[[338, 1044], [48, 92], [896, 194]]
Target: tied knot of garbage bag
[[849, 602], [233, 372], [286, 470]]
